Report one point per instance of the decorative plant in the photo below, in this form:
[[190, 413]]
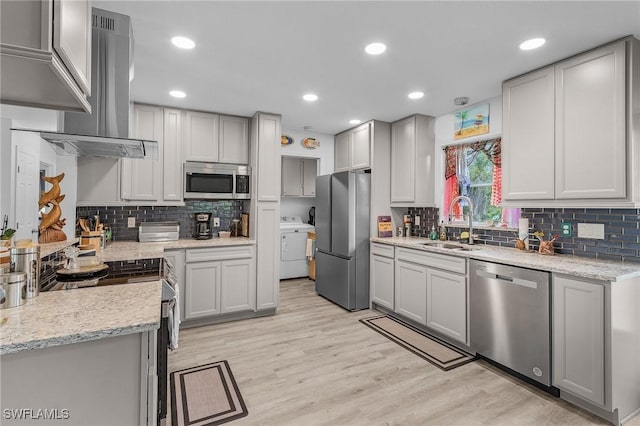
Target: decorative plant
[[6, 233]]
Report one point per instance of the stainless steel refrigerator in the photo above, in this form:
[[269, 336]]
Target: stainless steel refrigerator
[[342, 238]]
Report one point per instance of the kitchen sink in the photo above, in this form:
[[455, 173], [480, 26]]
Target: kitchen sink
[[448, 246]]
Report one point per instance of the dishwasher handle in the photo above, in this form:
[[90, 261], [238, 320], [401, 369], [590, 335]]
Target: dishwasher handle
[[507, 279]]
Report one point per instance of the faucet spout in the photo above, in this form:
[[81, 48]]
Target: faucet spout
[[468, 200]]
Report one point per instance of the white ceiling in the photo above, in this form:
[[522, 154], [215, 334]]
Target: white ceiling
[[265, 55]]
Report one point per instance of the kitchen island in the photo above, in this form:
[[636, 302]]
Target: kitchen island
[[86, 355]]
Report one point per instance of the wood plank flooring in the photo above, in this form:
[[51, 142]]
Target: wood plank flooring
[[314, 363]]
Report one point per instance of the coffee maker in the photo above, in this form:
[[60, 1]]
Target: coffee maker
[[203, 226]]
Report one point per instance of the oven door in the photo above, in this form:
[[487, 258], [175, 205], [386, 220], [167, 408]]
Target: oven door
[[209, 185]]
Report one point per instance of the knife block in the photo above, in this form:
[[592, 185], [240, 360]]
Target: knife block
[[90, 238]]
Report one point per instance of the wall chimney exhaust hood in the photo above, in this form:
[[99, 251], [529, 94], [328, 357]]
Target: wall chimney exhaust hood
[[104, 132]]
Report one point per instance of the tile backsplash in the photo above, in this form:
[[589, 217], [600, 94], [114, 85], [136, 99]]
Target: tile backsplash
[[621, 231], [117, 216]]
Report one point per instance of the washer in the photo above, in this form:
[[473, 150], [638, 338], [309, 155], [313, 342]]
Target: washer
[[293, 245]]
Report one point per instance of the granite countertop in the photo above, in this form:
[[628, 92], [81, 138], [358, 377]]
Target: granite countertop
[[50, 248], [132, 250], [63, 317], [571, 265]]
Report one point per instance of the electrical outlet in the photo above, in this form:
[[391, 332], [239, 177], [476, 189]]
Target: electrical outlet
[[416, 220], [131, 222], [566, 229], [591, 230], [216, 222]]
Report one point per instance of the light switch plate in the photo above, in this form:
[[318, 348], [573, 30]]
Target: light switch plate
[[416, 220], [131, 222], [591, 230]]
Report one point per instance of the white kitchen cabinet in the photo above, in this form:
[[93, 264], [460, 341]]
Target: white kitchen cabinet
[[411, 291], [573, 114], [412, 162], [447, 304], [579, 337], [216, 138], [268, 256], [352, 149], [219, 280], [201, 136], [234, 140], [299, 177], [46, 54], [172, 155], [142, 178], [267, 175], [382, 275]]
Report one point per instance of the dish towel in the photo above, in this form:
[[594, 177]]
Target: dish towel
[[174, 320], [309, 249]]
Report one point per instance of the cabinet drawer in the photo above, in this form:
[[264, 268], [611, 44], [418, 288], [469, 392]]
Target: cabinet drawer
[[382, 250], [219, 253], [435, 260]]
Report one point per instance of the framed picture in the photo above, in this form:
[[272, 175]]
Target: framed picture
[[471, 122]]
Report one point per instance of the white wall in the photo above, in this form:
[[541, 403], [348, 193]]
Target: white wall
[[444, 129], [299, 206], [36, 119]]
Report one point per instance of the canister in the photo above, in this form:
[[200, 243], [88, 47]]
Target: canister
[[407, 229], [27, 260], [13, 289], [400, 231]]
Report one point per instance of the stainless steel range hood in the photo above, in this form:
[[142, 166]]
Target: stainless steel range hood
[[105, 132]]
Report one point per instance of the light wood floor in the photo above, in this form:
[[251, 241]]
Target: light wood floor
[[314, 363]]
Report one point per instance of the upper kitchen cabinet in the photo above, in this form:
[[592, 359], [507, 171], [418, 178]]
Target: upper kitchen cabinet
[[45, 52], [412, 162], [577, 114], [299, 177], [216, 138], [352, 149]]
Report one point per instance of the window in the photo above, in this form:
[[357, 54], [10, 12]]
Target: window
[[474, 170]]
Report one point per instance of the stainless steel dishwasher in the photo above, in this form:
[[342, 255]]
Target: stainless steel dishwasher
[[510, 318]]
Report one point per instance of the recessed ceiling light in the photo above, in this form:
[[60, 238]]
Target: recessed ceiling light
[[183, 42], [415, 95], [375, 48], [310, 97], [178, 94], [355, 121], [533, 43]]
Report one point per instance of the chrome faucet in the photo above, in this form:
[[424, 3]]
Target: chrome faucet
[[458, 198]]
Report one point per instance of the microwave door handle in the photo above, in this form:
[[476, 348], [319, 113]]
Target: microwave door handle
[[233, 190]]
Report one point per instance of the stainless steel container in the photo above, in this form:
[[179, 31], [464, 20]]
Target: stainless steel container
[[13, 289], [27, 260]]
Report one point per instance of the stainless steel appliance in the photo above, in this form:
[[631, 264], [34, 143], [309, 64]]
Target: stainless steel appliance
[[510, 319], [342, 238], [27, 260], [105, 132], [215, 181], [13, 289], [158, 231], [202, 226]]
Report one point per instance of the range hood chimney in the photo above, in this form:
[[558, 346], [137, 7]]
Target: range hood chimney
[[105, 132]]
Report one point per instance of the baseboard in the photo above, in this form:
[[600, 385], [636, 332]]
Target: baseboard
[[233, 316]]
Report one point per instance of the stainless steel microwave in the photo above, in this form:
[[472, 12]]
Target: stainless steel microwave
[[216, 181]]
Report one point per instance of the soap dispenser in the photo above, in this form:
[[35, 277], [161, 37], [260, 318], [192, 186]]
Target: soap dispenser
[[443, 231], [433, 235]]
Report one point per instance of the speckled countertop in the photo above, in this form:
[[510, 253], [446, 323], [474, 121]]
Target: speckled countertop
[[572, 265], [64, 317]]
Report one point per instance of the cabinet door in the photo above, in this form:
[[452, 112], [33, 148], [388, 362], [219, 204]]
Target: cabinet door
[[590, 125], [528, 147], [202, 288], [411, 291], [200, 136], [72, 39], [403, 148], [361, 147], [172, 156], [267, 255], [238, 285], [142, 178], [268, 163], [291, 176], [234, 140], [382, 281], [447, 304], [578, 338], [309, 173], [342, 152]]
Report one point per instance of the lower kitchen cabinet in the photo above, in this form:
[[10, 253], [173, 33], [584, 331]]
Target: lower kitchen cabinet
[[219, 280], [382, 280], [579, 338], [411, 291], [447, 303]]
